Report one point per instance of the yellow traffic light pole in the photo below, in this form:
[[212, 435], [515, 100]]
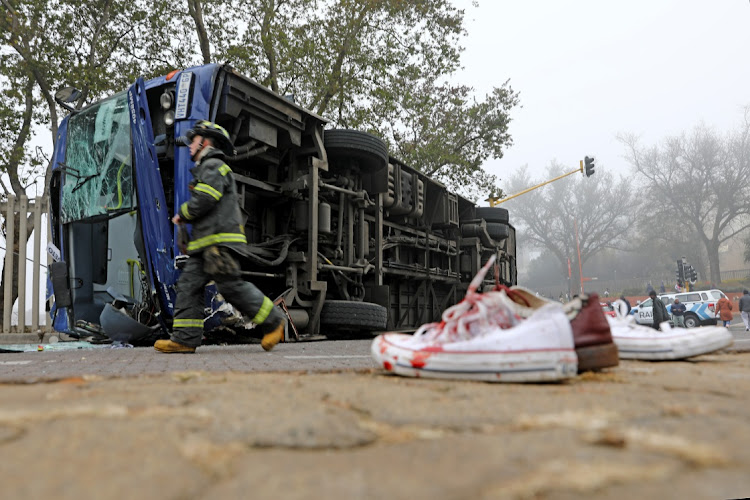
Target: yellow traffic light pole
[[496, 201]]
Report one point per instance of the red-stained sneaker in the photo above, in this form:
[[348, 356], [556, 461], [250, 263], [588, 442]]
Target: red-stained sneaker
[[481, 338]]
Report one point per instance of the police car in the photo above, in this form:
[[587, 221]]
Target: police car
[[699, 307]]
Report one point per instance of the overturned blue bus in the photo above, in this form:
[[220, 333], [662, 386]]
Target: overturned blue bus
[[343, 236]]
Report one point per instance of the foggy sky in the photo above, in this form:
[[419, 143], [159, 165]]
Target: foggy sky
[[587, 70]]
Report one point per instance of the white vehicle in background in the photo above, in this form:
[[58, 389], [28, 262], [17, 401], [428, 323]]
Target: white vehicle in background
[[700, 307]]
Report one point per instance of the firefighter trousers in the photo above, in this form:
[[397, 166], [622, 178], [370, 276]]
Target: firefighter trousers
[[190, 304]]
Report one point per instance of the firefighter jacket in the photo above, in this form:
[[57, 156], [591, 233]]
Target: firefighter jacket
[[213, 207]]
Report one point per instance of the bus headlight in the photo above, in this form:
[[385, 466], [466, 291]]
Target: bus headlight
[[166, 100], [169, 117]]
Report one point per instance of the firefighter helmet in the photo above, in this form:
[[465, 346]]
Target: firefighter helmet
[[215, 132]]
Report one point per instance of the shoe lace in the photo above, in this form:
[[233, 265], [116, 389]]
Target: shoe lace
[[475, 314], [513, 295]]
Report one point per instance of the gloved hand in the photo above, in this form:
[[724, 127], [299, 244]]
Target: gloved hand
[[182, 238], [219, 261]]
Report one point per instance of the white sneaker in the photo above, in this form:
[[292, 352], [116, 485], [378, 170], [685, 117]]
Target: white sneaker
[[642, 342], [481, 338]]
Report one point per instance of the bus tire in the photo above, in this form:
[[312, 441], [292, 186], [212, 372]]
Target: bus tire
[[353, 146], [497, 231], [348, 315], [493, 214]]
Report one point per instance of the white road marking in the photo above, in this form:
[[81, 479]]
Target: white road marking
[[15, 362], [325, 357]]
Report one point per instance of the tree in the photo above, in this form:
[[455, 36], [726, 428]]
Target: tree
[[44, 45], [21, 75], [700, 179], [382, 66], [449, 134], [598, 209], [376, 65], [665, 242]]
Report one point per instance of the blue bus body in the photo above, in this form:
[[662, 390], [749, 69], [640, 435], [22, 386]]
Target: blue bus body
[[342, 235]]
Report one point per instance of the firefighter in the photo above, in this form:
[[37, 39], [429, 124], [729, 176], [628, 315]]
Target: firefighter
[[218, 232]]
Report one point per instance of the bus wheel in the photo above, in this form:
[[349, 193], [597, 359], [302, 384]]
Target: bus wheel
[[497, 231], [353, 147], [493, 214], [348, 315]]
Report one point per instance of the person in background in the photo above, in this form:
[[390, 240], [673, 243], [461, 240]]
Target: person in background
[[745, 309], [627, 303], [678, 313], [724, 310], [661, 287], [660, 313], [649, 288], [621, 306]]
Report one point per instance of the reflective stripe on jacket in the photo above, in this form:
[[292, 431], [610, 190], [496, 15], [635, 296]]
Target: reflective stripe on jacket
[[213, 208]]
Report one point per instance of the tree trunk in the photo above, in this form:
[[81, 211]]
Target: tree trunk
[[195, 9], [266, 38], [574, 281], [712, 249]]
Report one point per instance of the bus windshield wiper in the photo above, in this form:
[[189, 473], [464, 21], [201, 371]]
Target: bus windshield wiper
[[69, 170], [83, 180]]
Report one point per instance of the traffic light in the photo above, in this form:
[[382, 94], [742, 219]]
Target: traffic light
[[680, 274], [589, 163]]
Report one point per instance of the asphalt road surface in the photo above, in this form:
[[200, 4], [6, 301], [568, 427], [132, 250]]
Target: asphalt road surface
[[315, 420], [67, 359]]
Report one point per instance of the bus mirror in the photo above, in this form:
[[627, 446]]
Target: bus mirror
[[66, 95]]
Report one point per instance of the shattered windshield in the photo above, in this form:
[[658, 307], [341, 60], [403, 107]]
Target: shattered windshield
[[99, 172]]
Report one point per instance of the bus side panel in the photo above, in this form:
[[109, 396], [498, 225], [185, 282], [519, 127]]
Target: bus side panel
[[59, 317]]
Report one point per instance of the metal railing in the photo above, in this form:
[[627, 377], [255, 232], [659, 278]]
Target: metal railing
[[24, 208]]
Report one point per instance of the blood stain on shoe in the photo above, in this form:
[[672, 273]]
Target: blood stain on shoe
[[420, 359], [388, 366]]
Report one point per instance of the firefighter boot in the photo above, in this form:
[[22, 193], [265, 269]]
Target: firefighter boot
[[169, 346], [273, 337]]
